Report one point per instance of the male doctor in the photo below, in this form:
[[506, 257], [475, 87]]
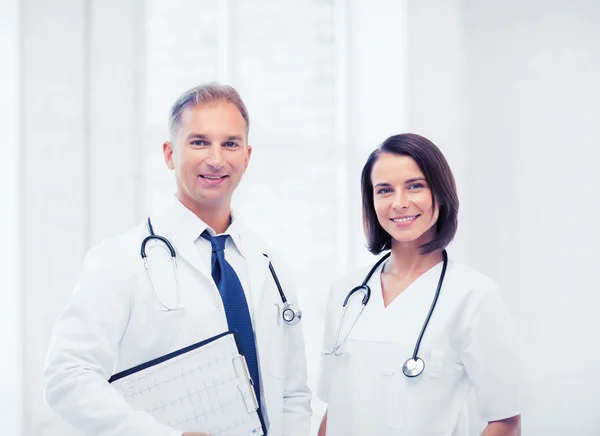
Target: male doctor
[[115, 320]]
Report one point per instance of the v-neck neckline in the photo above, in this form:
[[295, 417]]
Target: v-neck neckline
[[409, 290]]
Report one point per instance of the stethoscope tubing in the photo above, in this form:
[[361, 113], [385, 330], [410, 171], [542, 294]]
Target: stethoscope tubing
[[169, 246], [433, 304], [291, 314], [276, 279], [364, 287]]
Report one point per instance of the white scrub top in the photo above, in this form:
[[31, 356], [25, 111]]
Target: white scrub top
[[470, 343]]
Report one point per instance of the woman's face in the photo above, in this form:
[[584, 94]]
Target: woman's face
[[403, 200]]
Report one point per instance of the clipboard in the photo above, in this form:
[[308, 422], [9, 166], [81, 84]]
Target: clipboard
[[204, 387]]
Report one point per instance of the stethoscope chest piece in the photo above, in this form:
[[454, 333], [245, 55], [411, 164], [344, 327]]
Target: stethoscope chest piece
[[413, 367], [291, 314]]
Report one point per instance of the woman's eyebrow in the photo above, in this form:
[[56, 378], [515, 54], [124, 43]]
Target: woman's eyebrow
[[415, 179], [381, 184]]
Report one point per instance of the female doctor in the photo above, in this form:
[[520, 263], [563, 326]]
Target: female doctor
[[403, 351]]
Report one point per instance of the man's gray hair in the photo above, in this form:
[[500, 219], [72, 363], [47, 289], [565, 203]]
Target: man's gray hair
[[206, 93]]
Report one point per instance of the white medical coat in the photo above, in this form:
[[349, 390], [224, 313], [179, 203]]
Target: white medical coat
[[114, 321], [470, 343]]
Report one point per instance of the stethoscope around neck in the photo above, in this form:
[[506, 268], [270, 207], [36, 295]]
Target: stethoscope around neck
[[291, 314], [414, 365]]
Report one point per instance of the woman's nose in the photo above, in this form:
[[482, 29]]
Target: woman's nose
[[400, 200]]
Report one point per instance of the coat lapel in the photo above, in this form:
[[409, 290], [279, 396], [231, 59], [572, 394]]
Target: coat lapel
[[182, 228], [258, 268], [188, 251], [178, 224]]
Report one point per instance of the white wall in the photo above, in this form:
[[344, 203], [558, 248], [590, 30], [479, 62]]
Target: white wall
[[377, 95], [54, 177], [532, 72], [78, 166], [11, 375], [436, 98], [507, 89], [114, 128], [516, 83]]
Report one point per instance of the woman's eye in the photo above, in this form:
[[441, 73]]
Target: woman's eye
[[384, 191], [414, 186]]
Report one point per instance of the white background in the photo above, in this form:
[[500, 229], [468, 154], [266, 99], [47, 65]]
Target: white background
[[508, 90]]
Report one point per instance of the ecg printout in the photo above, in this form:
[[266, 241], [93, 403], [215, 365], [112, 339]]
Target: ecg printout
[[206, 389]]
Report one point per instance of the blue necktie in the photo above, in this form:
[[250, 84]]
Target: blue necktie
[[234, 302]]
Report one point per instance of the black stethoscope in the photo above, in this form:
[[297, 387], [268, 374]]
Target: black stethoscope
[[414, 365], [291, 314]]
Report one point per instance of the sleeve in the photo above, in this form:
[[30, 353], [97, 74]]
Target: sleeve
[[492, 356], [327, 360], [83, 351], [296, 393]]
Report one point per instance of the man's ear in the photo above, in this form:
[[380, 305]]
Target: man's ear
[[248, 153], [168, 154]]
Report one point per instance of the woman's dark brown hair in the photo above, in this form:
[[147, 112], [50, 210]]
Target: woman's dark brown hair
[[438, 175]]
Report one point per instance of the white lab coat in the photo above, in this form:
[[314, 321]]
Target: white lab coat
[[114, 321], [470, 344]]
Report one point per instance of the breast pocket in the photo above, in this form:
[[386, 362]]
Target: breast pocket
[[419, 404], [277, 343]]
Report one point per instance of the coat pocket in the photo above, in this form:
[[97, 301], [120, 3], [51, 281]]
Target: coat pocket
[[417, 404], [277, 345]]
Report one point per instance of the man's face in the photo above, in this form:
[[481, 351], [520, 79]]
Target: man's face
[[209, 154]]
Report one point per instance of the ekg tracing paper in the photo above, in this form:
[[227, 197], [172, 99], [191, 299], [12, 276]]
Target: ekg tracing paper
[[206, 389]]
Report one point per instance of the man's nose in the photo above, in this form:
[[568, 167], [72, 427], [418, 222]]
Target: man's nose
[[215, 158]]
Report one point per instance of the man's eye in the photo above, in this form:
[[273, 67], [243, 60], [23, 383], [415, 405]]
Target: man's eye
[[230, 144], [199, 142]]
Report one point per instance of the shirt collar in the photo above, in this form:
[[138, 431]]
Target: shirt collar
[[233, 230], [191, 227]]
